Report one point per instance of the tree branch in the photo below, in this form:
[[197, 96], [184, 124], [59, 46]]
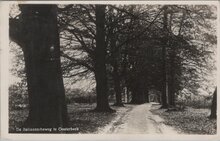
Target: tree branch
[[77, 61], [141, 33]]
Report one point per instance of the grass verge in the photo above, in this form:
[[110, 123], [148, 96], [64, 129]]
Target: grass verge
[[190, 121], [81, 116]]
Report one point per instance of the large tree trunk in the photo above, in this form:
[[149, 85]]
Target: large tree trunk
[[164, 80], [43, 68], [171, 94], [164, 70], [100, 61], [214, 105]]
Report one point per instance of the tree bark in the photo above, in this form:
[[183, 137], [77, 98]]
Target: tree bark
[[147, 95], [47, 107], [115, 65], [117, 85], [171, 94], [164, 70], [214, 105], [100, 61]]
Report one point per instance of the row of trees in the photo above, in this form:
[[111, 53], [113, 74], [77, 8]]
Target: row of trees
[[137, 47]]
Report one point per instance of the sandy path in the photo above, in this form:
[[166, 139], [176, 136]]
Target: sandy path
[[137, 119]]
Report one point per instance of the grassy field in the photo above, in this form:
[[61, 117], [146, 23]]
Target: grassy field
[[189, 121]]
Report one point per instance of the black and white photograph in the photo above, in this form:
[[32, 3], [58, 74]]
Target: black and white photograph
[[112, 68]]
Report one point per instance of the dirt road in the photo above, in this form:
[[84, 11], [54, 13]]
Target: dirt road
[[137, 119]]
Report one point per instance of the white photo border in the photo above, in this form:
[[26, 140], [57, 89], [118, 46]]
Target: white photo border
[[4, 82]]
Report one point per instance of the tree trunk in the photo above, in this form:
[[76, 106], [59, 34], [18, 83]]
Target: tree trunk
[[164, 70], [117, 85], [214, 105], [100, 61], [171, 93], [164, 80], [43, 68], [147, 95], [128, 93], [115, 60]]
